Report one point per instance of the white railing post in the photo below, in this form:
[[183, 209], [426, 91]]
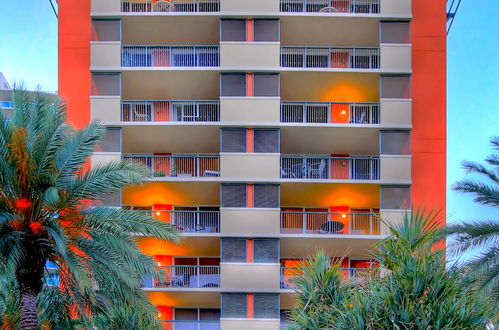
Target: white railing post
[[304, 222]]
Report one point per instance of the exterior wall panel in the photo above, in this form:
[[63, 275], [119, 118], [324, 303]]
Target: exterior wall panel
[[253, 222], [105, 108], [396, 112], [249, 277], [105, 54], [246, 109], [249, 165], [250, 54]]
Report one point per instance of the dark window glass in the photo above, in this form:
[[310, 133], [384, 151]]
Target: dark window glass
[[396, 87], [234, 305], [266, 250], [266, 85], [233, 30], [209, 314], [266, 140], [106, 30], [266, 196], [395, 32], [233, 84], [395, 143], [233, 250], [266, 30], [266, 306], [233, 195], [186, 314], [395, 198], [110, 141], [106, 85], [233, 140]]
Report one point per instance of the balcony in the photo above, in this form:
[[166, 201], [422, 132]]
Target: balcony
[[186, 277], [348, 274], [330, 57], [176, 111], [170, 56], [187, 221], [329, 168], [191, 325], [331, 6], [326, 223], [180, 166], [330, 112], [160, 6]]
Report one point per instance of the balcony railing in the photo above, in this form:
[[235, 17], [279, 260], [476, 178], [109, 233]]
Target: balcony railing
[[348, 274], [186, 277], [191, 325], [193, 221], [330, 57], [190, 6], [330, 112], [179, 165], [320, 223], [324, 167], [179, 111], [170, 56], [331, 6]]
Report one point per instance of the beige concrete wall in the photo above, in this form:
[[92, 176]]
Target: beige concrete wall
[[251, 222], [105, 54], [249, 165], [249, 324], [106, 6], [249, 276], [250, 109], [396, 57], [105, 108], [250, 54], [395, 168], [396, 7], [104, 158], [392, 217], [396, 112], [253, 6]]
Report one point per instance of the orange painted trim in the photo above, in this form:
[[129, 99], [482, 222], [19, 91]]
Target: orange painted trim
[[251, 306], [249, 191], [249, 140], [249, 84], [249, 252], [249, 30]]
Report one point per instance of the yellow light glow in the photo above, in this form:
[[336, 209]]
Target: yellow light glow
[[343, 112], [159, 264], [343, 215], [158, 213], [159, 314]]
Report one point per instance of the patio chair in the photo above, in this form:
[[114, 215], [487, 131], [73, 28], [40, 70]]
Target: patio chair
[[317, 170], [328, 10], [163, 6]]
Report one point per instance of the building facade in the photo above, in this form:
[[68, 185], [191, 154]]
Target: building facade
[[272, 128]]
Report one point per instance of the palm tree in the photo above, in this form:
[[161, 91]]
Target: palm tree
[[481, 235], [49, 211]]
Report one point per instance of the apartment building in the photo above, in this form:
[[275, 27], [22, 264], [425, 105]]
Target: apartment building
[[272, 128]]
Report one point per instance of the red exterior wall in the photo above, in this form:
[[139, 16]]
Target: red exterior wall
[[429, 104], [74, 59]]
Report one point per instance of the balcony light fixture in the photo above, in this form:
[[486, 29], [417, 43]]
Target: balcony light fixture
[[343, 112], [343, 215], [158, 213], [159, 264]]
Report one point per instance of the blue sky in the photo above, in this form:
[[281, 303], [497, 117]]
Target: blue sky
[[28, 51]]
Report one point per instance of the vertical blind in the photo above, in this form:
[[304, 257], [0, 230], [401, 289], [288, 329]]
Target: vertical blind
[[233, 84], [233, 30], [266, 250], [234, 305], [234, 195], [234, 250], [266, 306], [233, 140], [266, 140], [266, 196]]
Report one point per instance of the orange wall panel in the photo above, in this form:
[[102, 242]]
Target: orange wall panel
[[74, 59], [429, 104]]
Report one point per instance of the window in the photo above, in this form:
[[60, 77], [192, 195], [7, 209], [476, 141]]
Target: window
[[266, 30], [266, 306], [106, 84], [266, 140], [395, 197], [396, 87], [234, 305], [395, 143], [110, 141], [266, 84], [233, 140], [233, 30], [233, 195], [233, 250], [266, 196], [233, 84], [395, 32], [266, 250], [106, 30]]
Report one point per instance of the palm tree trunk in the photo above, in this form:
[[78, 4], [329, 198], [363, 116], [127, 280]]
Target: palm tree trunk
[[29, 312]]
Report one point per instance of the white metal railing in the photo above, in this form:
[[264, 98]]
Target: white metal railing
[[186, 277], [181, 111], [330, 112], [190, 6], [355, 274], [330, 57], [166, 56], [191, 325], [194, 221], [331, 6], [325, 167], [179, 165], [318, 223]]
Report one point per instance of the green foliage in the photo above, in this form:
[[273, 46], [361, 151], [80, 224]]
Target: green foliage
[[50, 211], [414, 290], [480, 236]]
